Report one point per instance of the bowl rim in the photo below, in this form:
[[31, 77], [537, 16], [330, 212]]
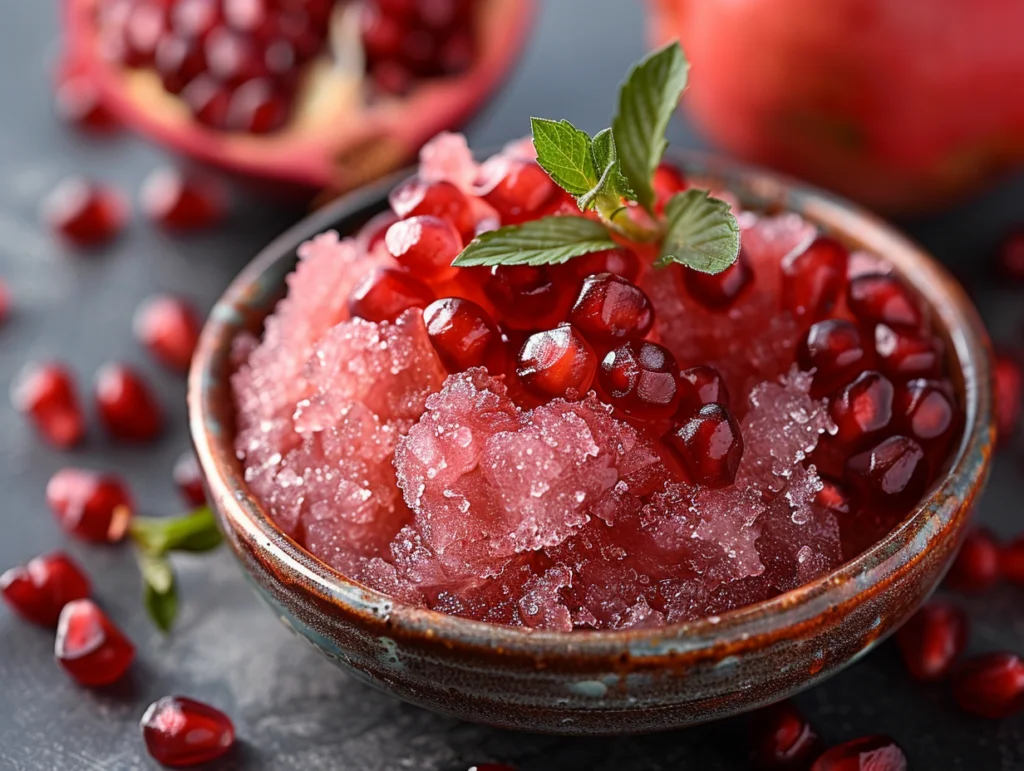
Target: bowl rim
[[938, 513]]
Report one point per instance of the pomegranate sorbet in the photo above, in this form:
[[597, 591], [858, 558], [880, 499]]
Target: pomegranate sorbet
[[595, 444]]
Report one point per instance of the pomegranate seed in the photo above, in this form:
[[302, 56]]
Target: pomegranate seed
[[181, 201], [464, 335], [89, 647], [425, 245], [194, 18], [991, 686], [721, 290], [620, 261], [1008, 383], [126, 404], [926, 412], [83, 213], [256, 108], [179, 60], [372, 234], [384, 294], [78, 102], [933, 640], [245, 15], [188, 476], [905, 357], [392, 78], [976, 567], [169, 328], [869, 753], [526, 297], [93, 506], [179, 731], [382, 34], [557, 363], [781, 738], [232, 58], [436, 199], [641, 379], [1011, 561], [833, 349], [813, 279], [41, 588], [710, 445], [863, 409], [610, 310], [881, 299], [5, 301], [894, 471], [833, 497], [208, 101], [518, 189], [145, 26], [1011, 256], [699, 386], [47, 396]]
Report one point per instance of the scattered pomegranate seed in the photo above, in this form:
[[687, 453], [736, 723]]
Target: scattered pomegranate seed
[[833, 349], [527, 298], [39, 590], [558, 363], [863, 410], [907, 356], [925, 409], [78, 102], [517, 189], [1008, 382], [84, 213], [425, 245], [721, 290], [46, 394], [710, 445], [182, 201], [179, 731], [991, 686], [833, 496], [641, 379], [699, 386], [813, 279], [464, 335], [781, 738], [894, 471], [126, 404], [5, 301], [1011, 561], [436, 199], [89, 647], [188, 476], [169, 328], [90, 505], [667, 181], [869, 753], [620, 261], [610, 310], [976, 567], [883, 299], [932, 640], [1011, 256], [384, 294]]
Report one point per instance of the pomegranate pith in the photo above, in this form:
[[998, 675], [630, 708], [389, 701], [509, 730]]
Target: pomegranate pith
[[169, 329], [976, 567], [85, 214], [93, 506], [126, 404], [179, 732], [384, 294], [932, 640], [46, 394], [39, 590], [877, 753], [991, 686], [89, 647], [710, 445]]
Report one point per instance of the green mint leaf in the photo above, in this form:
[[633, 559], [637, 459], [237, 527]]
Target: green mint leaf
[[646, 102], [701, 233], [611, 183], [159, 589], [563, 151], [196, 531], [546, 241]]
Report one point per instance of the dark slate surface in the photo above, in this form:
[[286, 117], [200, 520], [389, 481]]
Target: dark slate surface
[[292, 709]]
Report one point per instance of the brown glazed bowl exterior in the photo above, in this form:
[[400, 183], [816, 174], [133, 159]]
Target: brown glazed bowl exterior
[[603, 682]]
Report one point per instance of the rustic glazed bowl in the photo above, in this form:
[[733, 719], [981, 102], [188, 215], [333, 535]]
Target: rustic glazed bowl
[[602, 682]]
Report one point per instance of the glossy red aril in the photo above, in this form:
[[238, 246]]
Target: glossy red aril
[[1008, 385], [991, 686], [464, 335], [38, 590], [89, 647], [83, 213], [385, 293], [641, 379], [781, 739], [5, 301], [699, 386], [1011, 256], [925, 409], [813, 279], [517, 189], [46, 394], [976, 567], [126, 404], [527, 297], [182, 201], [78, 102], [932, 640], [869, 753], [835, 351], [93, 506], [720, 290], [610, 310], [833, 496], [863, 410], [710, 445], [1011, 561], [557, 363], [169, 329], [883, 299], [425, 245], [893, 472], [905, 356], [188, 477], [435, 199], [179, 732], [620, 261], [667, 181]]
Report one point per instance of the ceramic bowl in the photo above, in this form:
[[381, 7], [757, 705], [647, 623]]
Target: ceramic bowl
[[602, 682]]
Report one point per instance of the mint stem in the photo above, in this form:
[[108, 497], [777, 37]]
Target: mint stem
[[617, 217]]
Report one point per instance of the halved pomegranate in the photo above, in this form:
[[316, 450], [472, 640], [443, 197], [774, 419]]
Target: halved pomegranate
[[309, 94]]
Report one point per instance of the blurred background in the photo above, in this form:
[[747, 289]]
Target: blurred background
[[914, 109]]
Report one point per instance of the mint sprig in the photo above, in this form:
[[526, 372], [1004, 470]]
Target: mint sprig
[[159, 589], [701, 233], [547, 241], [563, 151]]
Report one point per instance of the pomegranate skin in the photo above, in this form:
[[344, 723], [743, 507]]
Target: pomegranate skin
[[848, 99]]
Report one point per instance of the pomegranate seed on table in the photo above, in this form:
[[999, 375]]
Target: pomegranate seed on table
[[619, 261], [893, 472], [84, 213], [179, 732], [425, 245], [528, 298], [863, 410], [436, 199], [5, 301], [721, 290], [834, 350], [926, 411], [813, 279], [932, 640], [609, 310], [641, 379], [883, 299], [181, 201], [126, 404], [169, 329], [385, 293], [46, 394], [464, 335], [698, 386], [89, 647], [188, 477], [976, 567], [833, 496], [907, 356], [869, 753], [39, 590], [710, 445], [558, 363], [78, 102], [1008, 384], [1011, 256], [781, 738], [1011, 561], [991, 686], [93, 506]]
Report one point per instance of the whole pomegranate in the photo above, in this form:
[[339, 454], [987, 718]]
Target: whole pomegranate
[[901, 105]]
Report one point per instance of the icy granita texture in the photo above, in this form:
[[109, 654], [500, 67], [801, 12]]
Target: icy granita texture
[[687, 445]]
